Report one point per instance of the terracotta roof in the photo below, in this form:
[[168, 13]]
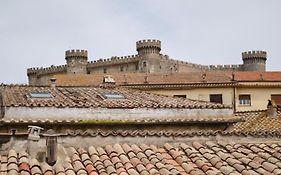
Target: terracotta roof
[[256, 76], [257, 121], [144, 78], [154, 80], [140, 159], [92, 97]]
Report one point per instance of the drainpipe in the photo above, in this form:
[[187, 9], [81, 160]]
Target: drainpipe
[[234, 98], [2, 108]]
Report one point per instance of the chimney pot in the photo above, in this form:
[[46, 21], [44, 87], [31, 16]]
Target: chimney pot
[[53, 82], [51, 143]]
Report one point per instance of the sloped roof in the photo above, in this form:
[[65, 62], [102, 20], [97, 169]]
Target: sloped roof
[[92, 97], [197, 159], [144, 78], [256, 76], [257, 121]]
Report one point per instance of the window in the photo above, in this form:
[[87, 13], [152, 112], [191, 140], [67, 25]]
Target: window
[[40, 95], [276, 98], [245, 99], [104, 70], [216, 98], [112, 95], [121, 68], [182, 96]]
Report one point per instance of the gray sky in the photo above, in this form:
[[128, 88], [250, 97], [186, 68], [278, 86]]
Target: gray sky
[[36, 33]]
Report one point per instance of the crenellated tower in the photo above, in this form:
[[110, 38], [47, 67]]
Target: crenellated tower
[[149, 51], [254, 61], [76, 61]]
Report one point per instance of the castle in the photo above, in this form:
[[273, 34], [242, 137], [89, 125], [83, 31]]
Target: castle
[[148, 60]]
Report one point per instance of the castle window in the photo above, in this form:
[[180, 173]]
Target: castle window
[[144, 64], [276, 98], [121, 68], [137, 66], [216, 98], [104, 70], [245, 99]]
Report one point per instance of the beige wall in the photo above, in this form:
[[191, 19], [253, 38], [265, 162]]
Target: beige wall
[[259, 97], [200, 93]]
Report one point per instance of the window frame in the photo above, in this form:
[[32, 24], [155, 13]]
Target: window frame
[[244, 101], [221, 99]]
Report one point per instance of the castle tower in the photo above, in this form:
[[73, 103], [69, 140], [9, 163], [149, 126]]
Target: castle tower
[[254, 61], [149, 51], [76, 61]]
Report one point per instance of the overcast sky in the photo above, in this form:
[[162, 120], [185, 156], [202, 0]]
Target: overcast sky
[[36, 33]]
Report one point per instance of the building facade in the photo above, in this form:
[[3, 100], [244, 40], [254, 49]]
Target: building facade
[[147, 60]]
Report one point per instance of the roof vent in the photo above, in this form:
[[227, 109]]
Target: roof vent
[[108, 79], [53, 82], [34, 132]]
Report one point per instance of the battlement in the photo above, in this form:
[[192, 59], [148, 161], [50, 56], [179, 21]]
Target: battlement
[[254, 54], [47, 70], [76, 53], [113, 60], [141, 44]]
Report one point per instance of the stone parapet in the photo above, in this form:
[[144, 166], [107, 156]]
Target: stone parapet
[[114, 60], [254, 54], [47, 70], [148, 44], [76, 53]]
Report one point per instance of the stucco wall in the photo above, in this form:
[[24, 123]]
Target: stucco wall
[[199, 93], [259, 97], [117, 114]]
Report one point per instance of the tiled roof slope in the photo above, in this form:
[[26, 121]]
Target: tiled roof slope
[[256, 76], [197, 159], [91, 97], [257, 121], [144, 78], [210, 77]]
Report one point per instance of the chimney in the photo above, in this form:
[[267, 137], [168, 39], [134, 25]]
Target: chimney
[[53, 82], [33, 147], [204, 77], [108, 81], [51, 144], [271, 109]]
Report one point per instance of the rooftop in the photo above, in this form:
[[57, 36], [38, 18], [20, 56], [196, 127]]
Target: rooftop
[[90, 97], [196, 158], [205, 79]]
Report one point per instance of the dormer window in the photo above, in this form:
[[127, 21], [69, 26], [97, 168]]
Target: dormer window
[[40, 95]]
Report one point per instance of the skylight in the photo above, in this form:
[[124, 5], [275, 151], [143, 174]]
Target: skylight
[[40, 95], [111, 95]]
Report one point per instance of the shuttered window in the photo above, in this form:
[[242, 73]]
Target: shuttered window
[[216, 98], [276, 98]]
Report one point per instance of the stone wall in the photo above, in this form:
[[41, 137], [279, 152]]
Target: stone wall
[[148, 60]]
